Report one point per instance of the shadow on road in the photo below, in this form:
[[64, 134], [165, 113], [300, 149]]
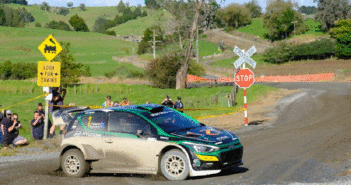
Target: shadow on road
[[226, 172]]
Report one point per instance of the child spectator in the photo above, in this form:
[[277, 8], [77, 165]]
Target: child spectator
[[116, 104]]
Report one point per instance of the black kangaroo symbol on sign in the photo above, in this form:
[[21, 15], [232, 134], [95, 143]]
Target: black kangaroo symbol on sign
[[50, 49]]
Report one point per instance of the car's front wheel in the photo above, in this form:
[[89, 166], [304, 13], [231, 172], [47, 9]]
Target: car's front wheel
[[73, 163], [174, 165]]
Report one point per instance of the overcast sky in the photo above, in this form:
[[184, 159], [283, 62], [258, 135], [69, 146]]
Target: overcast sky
[[262, 3]]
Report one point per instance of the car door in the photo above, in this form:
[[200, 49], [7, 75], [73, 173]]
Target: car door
[[124, 150]]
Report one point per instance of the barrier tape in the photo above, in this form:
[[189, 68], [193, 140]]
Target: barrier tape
[[25, 101]]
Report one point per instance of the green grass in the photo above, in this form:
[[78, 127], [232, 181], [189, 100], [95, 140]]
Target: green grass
[[93, 49], [205, 48], [86, 95], [256, 28], [138, 26], [229, 63]]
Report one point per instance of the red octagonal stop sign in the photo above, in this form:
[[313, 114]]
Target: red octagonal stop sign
[[244, 78]]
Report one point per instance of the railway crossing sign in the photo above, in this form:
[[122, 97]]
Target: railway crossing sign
[[245, 57], [50, 48], [244, 78], [49, 74]]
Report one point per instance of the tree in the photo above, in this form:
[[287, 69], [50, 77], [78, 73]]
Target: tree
[[208, 14], [254, 8], [71, 71], [235, 15], [60, 25], [82, 7], [78, 24], [183, 71], [308, 10], [152, 4], [341, 32], [2, 17], [63, 11], [329, 11], [145, 45], [121, 6], [137, 11], [70, 4], [100, 25], [45, 6], [279, 18]]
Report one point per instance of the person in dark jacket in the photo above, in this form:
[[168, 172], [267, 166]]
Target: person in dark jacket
[[37, 126], [11, 126], [168, 102], [179, 104]]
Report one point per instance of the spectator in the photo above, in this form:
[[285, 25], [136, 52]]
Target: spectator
[[2, 116], [116, 104], [41, 113], [40, 109], [7, 118], [57, 105], [124, 102], [37, 126], [179, 104], [108, 102], [11, 127], [147, 102], [168, 102]]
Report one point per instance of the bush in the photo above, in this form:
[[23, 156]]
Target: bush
[[284, 52], [196, 69], [110, 33], [63, 11], [78, 24], [341, 32], [17, 71], [37, 24], [204, 36], [58, 25], [127, 71]]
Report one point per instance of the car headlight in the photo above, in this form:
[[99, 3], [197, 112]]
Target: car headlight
[[200, 148]]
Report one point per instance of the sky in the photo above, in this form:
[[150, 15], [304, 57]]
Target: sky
[[262, 3]]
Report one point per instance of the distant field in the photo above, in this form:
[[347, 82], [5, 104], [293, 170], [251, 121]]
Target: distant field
[[138, 26], [93, 49], [256, 28], [86, 95], [89, 15]]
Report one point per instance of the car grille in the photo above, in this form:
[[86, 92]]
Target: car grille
[[231, 157]]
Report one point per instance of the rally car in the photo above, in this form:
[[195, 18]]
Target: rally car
[[145, 139]]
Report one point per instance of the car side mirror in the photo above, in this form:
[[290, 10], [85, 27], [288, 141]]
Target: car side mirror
[[139, 133]]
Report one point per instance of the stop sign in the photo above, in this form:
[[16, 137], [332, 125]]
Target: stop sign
[[244, 78]]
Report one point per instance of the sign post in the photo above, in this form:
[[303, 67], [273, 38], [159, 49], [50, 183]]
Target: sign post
[[244, 78], [49, 73]]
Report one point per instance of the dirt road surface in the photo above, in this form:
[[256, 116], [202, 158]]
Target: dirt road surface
[[310, 142]]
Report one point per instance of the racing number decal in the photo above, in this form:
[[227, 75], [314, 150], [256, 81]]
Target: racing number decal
[[89, 121]]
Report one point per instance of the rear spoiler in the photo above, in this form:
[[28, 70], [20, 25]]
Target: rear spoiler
[[63, 116]]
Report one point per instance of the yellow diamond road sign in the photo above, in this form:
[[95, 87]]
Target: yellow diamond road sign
[[49, 74], [50, 48]]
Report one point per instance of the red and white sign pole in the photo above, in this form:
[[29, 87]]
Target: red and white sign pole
[[246, 119]]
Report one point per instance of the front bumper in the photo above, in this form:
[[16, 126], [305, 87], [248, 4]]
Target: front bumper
[[226, 159]]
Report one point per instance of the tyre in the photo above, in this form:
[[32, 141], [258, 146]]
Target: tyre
[[174, 165], [73, 163]]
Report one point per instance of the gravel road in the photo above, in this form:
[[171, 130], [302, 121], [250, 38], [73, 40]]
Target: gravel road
[[310, 143]]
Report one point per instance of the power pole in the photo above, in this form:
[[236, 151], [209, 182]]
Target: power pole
[[294, 27], [154, 44]]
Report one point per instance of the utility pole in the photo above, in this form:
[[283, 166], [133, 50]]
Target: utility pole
[[294, 27], [154, 44]]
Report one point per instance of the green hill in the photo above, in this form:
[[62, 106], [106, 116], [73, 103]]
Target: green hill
[[89, 15], [93, 49], [256, 28]]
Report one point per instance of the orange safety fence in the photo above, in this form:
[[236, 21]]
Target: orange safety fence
[[289, 78]]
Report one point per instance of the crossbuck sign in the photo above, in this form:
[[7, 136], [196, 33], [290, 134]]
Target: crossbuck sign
[[245, 57]]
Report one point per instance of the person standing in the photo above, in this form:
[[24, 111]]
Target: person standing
[[179, 104], [2, 116], [37, 126]]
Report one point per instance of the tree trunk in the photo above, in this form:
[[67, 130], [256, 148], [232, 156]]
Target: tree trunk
[[180, 39], [181, 81]]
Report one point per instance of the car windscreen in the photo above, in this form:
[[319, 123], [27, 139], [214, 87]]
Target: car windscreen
[[171, 121]]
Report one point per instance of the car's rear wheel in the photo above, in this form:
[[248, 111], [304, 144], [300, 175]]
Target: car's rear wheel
[[175, 165], [73, 163]]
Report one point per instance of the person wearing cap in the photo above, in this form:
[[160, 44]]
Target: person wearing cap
[[108, 102], [40, 109], [41, 114], [167, 102], [179, 104], [4, 121], [125, 102], [11, 128]]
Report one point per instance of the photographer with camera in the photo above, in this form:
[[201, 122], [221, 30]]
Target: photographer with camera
[[168, 102], [11, 126], [125, 102], [37, 126]]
